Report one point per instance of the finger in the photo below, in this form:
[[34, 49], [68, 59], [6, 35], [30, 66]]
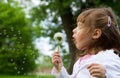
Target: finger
[[97, 71], [97, 75], [92, 64], [59, 60], [56, 61], [93, 71], [56, 54], [93, 67], [96, 66], [56, 57]]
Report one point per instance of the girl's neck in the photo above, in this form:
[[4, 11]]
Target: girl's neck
[[93, 51]]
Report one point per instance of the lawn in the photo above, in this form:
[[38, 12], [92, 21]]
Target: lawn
[[40, 76]]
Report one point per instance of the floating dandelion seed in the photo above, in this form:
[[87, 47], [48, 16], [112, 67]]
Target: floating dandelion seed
[[59, 38]]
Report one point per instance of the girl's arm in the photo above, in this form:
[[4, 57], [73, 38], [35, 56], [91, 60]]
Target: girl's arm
[[58, 70], [62, 74], [113, 69], [108, 68]]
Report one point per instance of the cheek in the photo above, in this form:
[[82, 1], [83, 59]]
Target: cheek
[[82, 35], [84, 41]]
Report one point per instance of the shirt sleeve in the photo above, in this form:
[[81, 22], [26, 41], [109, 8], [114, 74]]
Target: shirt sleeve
[[113, 69], [110, 61], [62, 74]]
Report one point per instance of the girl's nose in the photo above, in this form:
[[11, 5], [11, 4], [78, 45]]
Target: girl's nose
[[74, 30]]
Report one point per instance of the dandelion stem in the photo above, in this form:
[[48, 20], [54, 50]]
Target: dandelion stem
[[58, 49], [58, 46]]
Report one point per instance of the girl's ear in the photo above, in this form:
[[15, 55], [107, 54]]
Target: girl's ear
[[97, 33]]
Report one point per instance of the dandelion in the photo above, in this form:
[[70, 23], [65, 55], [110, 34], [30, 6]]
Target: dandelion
[[58, 38]]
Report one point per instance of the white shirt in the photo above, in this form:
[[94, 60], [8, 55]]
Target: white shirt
[[107, 58]]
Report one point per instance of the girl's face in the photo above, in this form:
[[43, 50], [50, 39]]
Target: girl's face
[[81, 36]]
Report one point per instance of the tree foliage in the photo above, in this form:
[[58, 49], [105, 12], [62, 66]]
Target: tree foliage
[[17, 52], [67, 11]]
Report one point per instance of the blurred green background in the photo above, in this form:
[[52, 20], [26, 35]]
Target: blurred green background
[[26, 23]]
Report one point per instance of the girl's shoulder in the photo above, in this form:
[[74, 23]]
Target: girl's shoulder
[[105, 56], [108, 54]]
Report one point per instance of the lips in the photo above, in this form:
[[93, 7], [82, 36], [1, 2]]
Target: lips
[[73, 40]]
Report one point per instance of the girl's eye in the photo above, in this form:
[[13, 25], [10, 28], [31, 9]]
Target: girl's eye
[[79, 27]]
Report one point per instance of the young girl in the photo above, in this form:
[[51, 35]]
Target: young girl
[[97, 34]]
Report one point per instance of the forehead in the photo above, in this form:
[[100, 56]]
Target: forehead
[[80, 24]]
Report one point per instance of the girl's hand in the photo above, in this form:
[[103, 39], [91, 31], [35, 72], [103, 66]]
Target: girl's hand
[[57, 61], [97, 70]]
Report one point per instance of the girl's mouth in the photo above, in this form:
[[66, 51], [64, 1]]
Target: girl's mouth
[[73, 40]]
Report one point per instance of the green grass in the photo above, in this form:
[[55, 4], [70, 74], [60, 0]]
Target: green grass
[[39, 76]]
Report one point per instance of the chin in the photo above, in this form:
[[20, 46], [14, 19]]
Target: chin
[[80, 48]]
